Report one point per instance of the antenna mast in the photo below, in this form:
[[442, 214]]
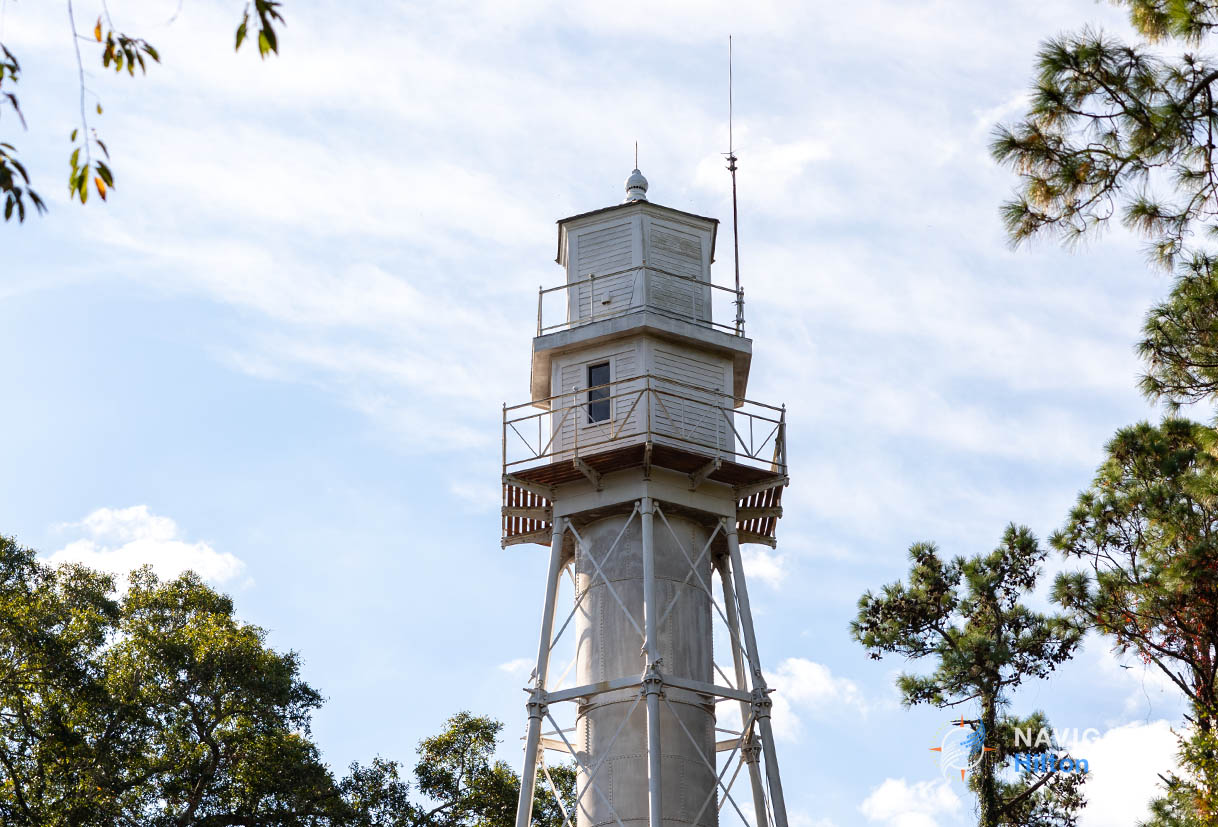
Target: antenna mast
[[731, 166]]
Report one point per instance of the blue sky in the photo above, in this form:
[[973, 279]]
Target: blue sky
[[278, 354]]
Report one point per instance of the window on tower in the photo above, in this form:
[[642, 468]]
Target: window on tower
[[598, 392]]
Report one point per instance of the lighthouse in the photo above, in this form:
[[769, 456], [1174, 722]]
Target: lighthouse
[[640, 461]]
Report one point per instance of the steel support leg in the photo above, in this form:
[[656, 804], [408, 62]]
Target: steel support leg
[[749, 752], [537, 704], [652, 682], [761, 700]]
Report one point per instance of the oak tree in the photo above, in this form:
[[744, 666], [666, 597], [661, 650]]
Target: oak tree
[[159, 707]]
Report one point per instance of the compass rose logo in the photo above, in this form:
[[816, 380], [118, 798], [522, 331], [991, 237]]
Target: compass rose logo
[[961, 745]]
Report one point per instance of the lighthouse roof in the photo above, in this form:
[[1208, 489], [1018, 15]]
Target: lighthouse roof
[[650, 206]]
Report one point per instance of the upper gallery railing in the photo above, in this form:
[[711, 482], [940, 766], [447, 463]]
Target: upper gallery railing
[[645, 408], [604, 295]]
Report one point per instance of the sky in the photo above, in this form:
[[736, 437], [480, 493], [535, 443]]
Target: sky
[[277, 355]]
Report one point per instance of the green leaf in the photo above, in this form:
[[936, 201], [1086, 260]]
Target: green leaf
[[104, 172], [264, 45], [74, 131], [75, 157], [99, 109]]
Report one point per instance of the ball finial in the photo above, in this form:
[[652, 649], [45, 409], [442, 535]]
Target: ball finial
[[636, 187]]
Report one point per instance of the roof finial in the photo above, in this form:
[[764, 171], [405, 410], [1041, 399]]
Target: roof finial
[[636, 184]]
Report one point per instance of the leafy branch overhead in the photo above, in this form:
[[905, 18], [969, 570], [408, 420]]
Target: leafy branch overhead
[[1109, 128], [1128, 131], [89, 161]]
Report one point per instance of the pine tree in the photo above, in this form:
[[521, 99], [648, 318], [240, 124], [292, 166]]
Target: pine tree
[[1148, 529], [966, 617]]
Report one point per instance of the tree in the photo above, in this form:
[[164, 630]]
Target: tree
[[966, 617], [457, 772], [116, 51], [1148, 530], [51, 624], [160, 708], [1117, 131]]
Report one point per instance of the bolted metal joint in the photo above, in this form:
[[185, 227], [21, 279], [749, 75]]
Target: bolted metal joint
[[751, 751], [762, 703], [653, 681], [537, 704]]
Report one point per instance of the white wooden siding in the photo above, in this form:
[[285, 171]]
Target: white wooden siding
[[623, 365], [600, 252], [699, 417], [676, 251], [679, 252]]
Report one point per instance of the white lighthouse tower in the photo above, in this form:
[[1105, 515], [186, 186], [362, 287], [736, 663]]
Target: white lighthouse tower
[[642, 465]]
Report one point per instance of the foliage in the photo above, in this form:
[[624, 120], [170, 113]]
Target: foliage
[[456, 770], [160, 707], [1180, 344], [116, 50], [1126, 131], [966, 616], [1107, 121], [1046, 800], [1173, 809], [1148, 529]]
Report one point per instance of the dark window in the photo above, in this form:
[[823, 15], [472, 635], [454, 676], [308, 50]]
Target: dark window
[[598, 397]]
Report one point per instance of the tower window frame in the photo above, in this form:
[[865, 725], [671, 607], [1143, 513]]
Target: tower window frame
[[599, 405]]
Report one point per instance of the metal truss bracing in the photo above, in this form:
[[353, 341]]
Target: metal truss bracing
[[748, 751]]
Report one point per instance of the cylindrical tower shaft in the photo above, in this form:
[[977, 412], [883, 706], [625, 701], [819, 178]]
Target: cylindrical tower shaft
[[609, 645]]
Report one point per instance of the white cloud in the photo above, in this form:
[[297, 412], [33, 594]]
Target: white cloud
[[806, 688], [119, 540], [1123, 772], [518, 667], [897, 803], [765, 565]]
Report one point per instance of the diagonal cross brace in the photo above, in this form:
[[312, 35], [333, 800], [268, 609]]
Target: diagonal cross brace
[[594, 770], [694, 571], [608, 584], [580, 597], [718, 778], [693, 567]]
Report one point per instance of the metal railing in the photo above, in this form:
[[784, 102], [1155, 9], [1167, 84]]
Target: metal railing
[[645, 408], [652, 278]]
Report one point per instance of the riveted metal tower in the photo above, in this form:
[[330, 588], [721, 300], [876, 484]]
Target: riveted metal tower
[[641, 464]]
